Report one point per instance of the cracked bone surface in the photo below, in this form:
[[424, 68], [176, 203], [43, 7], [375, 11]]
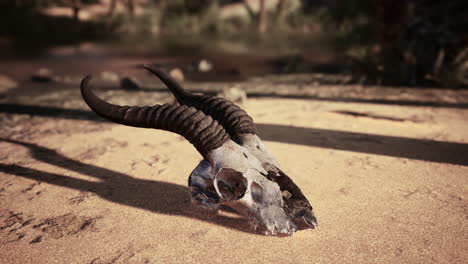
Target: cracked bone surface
[[237, 170]]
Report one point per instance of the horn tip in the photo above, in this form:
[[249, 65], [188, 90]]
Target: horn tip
[[153, 69], [84, 85], [86, 80]]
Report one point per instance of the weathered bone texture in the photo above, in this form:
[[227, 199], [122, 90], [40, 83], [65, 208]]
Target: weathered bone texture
[[296, 204], [202, 188], [235, 120], [201, 130]]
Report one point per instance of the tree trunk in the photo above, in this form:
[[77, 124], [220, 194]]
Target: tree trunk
[[75, 5], [279, 18], [249, 10], [112, 7], [262, 18], [131, 7]]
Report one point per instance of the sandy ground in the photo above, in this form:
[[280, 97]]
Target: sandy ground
[[387, 177]]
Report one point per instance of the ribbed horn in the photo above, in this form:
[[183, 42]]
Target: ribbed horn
[[198, 128], [235, 120]]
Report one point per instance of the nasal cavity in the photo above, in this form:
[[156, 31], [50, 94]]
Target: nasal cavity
[[257, 192]]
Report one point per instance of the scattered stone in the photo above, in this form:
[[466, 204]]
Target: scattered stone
[[177, 74], [129, 83], [234, 94], [205, 66], [38, 239], [43, 75], [6, 84], [109, 76], [462, 73], [201, 66]]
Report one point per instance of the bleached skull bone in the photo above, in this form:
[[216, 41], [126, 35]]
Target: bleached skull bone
[[248, 193], [240, 174], [237, 179], [241, 128]]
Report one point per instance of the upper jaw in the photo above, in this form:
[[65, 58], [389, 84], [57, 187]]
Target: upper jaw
[[278, 225], [269, 220]]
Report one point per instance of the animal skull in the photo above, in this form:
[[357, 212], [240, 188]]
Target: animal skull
[[237, 170]]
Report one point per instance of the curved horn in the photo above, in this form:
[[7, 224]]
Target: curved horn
[[201, 130], [235, 120]]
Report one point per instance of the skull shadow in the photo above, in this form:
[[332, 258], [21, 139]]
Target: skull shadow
[[155, 196]]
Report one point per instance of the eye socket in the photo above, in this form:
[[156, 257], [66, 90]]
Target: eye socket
[[231, 184]]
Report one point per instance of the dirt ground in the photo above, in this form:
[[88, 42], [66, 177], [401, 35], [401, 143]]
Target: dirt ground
[[386, 170]]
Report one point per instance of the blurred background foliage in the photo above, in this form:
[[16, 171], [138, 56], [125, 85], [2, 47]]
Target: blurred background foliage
[[388, 42], [402, 42]]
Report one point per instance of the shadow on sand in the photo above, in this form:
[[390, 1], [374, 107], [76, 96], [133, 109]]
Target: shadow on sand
[[410, 148], [401, 147], [155, 196]]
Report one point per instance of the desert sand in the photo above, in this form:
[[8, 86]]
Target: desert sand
[[387, 177]]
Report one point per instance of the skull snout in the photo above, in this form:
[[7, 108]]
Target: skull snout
[[305, 220]]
